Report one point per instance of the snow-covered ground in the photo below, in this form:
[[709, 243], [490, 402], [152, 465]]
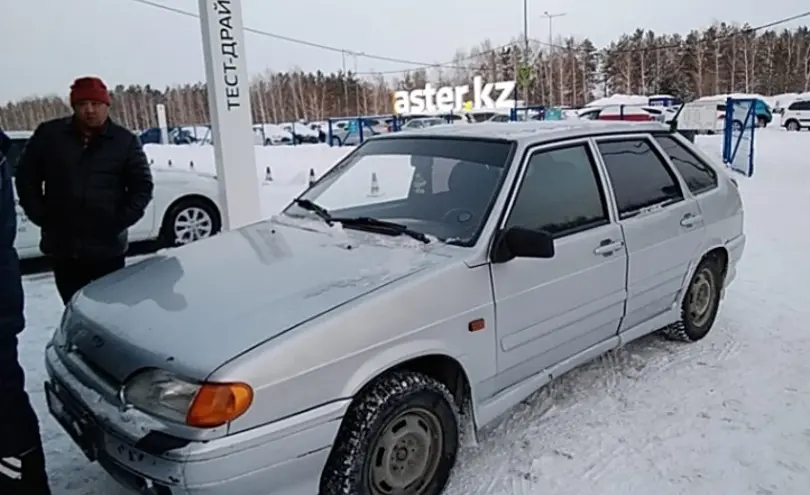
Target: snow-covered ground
[[727, 415]]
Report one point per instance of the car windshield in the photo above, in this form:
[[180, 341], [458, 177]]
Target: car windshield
[[442, 187]]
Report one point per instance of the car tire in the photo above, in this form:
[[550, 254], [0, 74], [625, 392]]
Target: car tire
[[362, 463], [700, 304], [762, 122], [202, 213], [792, 125]]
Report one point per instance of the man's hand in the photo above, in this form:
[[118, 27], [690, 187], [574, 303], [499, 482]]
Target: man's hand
[[138, 184]]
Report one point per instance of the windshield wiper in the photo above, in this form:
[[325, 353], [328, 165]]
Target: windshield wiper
[[315, 208], [381, 226]]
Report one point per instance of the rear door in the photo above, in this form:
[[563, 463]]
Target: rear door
[[661, 221], [550, 309]]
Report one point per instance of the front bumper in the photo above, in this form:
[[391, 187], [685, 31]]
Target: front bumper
[[283, 458]]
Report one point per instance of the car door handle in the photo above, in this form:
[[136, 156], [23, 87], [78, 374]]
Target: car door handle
[[690, 220], [608, 247]]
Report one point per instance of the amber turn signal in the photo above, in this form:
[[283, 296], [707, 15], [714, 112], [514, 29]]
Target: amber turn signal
[[218, 403]]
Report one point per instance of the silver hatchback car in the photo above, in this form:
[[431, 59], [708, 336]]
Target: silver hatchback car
[[422, 287]]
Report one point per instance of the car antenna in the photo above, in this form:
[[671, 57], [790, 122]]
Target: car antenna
[[673, 124]]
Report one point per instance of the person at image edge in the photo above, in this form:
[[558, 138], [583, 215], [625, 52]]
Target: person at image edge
[[22, 461], [84, 180]]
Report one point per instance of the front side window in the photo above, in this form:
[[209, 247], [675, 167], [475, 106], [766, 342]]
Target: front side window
[[561, 193], [640, 178], [442, 187]]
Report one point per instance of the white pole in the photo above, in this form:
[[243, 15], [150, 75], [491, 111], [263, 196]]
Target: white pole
[[163, 125], [231, 117]]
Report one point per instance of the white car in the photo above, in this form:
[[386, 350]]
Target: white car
[[185, 208], [797, 116], [422, 123]]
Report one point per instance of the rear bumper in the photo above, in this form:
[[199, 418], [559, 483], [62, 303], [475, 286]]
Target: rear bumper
[[284, 458], [735, 248]]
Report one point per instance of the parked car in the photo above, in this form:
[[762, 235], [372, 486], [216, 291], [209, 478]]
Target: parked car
[[797, 116], [422, 123], [301, 132], [271, 135], [185, 208], [348, 133], [360, 331], [762, 112], [177, 135], [629, 113]]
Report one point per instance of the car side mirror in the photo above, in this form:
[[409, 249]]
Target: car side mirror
[[519, 242]]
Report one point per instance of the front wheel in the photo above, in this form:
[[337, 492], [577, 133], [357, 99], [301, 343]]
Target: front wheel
[[792, 126], [400, 436]]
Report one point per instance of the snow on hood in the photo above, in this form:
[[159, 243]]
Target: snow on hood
[[203, 304]]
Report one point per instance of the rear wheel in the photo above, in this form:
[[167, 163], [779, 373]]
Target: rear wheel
[[189, 220], [701, 303], [399, 437], [792, 125]]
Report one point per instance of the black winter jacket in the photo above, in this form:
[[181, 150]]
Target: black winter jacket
[[11, 292], [84, 198]]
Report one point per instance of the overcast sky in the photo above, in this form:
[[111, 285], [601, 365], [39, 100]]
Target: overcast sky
[[47, 43]]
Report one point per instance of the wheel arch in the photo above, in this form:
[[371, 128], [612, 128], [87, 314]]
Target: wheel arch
[[717, 251], [441, 366]]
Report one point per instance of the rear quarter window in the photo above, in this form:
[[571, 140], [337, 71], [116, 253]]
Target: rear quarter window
[[699, 176]]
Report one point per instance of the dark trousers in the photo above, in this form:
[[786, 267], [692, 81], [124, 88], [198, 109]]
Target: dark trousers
[[73, 274], [22, 460]]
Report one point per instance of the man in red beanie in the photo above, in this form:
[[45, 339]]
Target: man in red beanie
[[84, 180]]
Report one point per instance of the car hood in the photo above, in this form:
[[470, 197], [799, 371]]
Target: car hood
[[196, 307]]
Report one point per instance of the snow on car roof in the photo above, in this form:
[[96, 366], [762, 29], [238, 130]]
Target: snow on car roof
[[530, 131]]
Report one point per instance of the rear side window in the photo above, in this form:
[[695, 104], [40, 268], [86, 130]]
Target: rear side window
[[640, 178], [699, 176], [800, 106]]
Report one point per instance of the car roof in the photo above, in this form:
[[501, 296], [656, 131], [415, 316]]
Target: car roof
[[532, 131], [16, 135]]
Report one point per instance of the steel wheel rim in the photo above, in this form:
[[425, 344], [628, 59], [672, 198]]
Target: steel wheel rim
[[405, 456], [191, 224], [701, 297]]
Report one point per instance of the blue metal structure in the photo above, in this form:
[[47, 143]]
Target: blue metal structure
[[358, 125], [540, 109], [739, 130]]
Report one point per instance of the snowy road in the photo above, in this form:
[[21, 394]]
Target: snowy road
[[728, 415]]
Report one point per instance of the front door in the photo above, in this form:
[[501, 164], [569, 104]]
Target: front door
[[550, 309], [662, 225]]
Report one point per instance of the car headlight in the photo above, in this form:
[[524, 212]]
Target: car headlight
[[203, 405]]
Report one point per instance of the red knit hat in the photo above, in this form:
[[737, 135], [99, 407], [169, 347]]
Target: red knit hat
[[89, 89]]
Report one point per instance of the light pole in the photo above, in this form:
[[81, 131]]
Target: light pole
[[551, 18], [357, 82], [522, 70]]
